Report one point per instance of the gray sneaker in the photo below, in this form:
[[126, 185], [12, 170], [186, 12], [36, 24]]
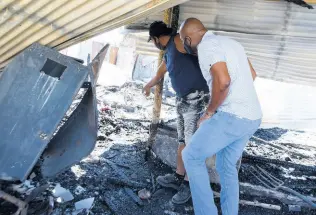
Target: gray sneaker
[[170, 181], [183, 195]]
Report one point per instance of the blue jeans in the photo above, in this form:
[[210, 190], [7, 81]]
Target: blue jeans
[[226, 136]]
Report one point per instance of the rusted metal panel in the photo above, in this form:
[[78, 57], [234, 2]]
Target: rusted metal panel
[[113, 55], [61, 23], [36, 90], [97, 62], [96, 48]]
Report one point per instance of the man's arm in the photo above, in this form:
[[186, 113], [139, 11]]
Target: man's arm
[[253, 72], [220, 86], [162, 69]]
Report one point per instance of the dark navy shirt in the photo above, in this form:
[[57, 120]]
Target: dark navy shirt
[[184, 71]]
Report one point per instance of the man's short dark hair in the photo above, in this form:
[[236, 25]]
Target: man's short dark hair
[[159, 28]]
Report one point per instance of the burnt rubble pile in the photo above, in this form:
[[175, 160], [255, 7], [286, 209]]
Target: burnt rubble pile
[[116, 179]]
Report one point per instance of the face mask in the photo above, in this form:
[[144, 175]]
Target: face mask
[[187, 46], [188, 49]]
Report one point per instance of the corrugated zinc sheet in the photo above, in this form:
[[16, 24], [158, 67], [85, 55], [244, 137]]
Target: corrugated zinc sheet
[[279, 37], [145, 22], [281, 58], [253, 16], [143, 46], [61, 23]]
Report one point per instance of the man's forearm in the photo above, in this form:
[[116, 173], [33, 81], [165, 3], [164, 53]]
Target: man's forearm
[[159, 75], [219, 94], [253, 72], [154, 81]]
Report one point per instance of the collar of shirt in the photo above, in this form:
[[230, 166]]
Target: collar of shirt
[[208, 33]]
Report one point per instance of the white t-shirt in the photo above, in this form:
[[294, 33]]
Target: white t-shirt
[[242, 99]]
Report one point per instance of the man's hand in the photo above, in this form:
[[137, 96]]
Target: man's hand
[[146, 90], [155, 80], [253, 72], [205, 116]]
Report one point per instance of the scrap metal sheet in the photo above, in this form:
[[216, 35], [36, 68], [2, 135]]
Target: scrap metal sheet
[[36, 90], [77, 137], [75, 140]]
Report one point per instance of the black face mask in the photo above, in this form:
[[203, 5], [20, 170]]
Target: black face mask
[[187, 46]]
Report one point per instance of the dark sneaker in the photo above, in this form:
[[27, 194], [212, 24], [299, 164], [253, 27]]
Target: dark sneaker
[[183, 195], [170, 181]]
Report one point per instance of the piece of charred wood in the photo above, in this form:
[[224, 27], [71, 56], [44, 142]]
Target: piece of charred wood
[[153, 183], [38, 207], [22, 206], [133, 196], [36, 192], [117, 170], [253, 190], [258, 159], [124, 182], [261, 205], [107, 200], [255, 204], [51, 205], [122, 179]]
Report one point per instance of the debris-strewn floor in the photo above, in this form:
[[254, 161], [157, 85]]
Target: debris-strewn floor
[[116, 170]]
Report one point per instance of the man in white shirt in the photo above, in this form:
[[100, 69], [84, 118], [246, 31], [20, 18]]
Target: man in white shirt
[[231, 118]]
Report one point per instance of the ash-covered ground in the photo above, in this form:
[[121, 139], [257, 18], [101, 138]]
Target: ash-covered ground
[[116, 170]]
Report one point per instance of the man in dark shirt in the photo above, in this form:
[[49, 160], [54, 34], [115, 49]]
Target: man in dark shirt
[[192, 97]]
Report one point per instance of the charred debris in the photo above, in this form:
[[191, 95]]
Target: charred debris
[[101, 168]]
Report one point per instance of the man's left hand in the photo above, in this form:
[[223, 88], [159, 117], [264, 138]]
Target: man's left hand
[[205, 116]]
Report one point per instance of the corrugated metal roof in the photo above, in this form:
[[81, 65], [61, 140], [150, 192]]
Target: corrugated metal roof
[[143, 46], [282, 58], [252, 16], [279, 37], [145, 22], [61, 23]]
